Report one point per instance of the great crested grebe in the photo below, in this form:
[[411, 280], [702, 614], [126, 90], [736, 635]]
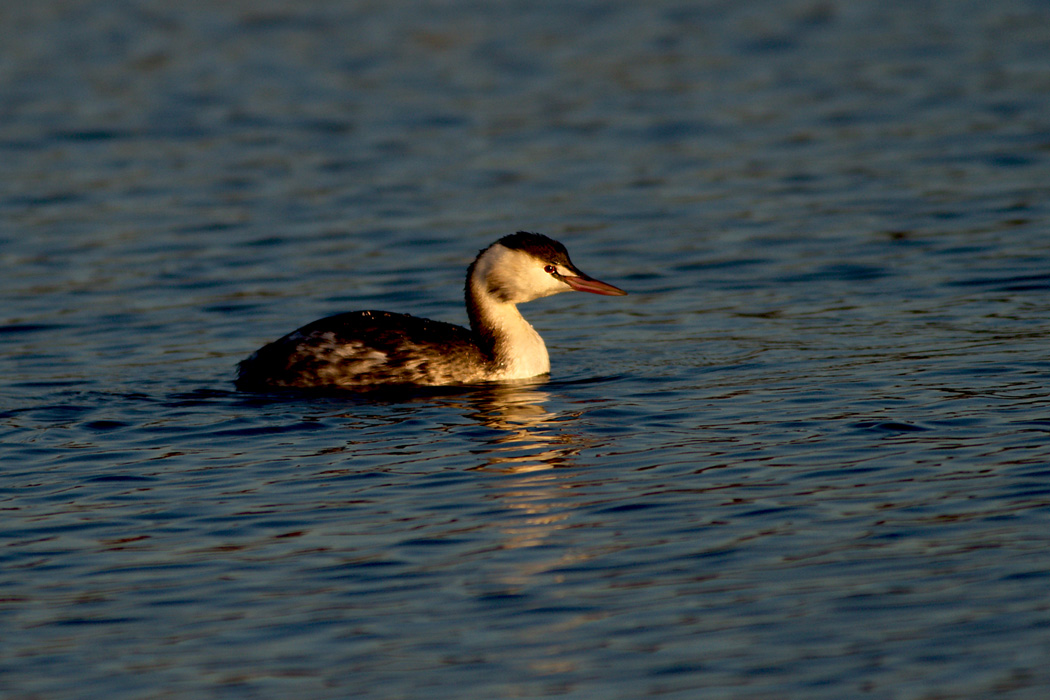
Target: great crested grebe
[[361, 349]]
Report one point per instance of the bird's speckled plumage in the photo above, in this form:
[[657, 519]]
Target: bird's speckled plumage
[[363, 349]]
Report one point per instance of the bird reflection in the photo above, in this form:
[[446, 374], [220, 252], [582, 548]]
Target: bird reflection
[[535, 445], [528, 436], [525, 449], [528, 441]]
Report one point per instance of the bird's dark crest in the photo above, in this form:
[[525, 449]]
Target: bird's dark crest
[[537, 244]]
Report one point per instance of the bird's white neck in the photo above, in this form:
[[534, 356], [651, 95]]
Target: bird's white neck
[[516, 349]]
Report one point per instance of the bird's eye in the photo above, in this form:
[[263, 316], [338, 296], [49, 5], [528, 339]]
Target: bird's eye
[[550, 269]]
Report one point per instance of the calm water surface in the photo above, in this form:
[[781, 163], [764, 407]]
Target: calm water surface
[[807, 457]]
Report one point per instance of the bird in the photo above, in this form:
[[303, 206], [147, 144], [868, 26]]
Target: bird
[[362, 350]]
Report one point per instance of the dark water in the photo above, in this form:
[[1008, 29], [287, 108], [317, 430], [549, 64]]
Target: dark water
[[808, 457]]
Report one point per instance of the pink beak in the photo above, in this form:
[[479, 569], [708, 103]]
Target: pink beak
[[583, 283]]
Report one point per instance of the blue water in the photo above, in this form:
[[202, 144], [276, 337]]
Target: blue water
[[807, 457]]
